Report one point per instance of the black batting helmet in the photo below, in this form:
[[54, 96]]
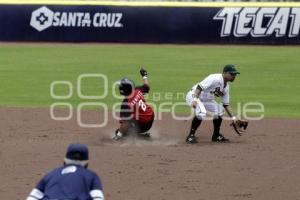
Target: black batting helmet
[[126, 86]]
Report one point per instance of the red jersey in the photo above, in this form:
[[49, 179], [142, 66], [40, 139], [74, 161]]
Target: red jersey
[[135, 106]]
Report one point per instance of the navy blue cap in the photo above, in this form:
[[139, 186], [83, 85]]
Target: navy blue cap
[[231, 69], [77, 151]]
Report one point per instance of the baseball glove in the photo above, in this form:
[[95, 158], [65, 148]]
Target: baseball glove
[[239, 126]]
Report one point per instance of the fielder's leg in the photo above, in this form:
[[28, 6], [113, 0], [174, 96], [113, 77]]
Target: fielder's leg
[[218, 112], [217, 125], [200, 113], [217, 136], [191, 138]]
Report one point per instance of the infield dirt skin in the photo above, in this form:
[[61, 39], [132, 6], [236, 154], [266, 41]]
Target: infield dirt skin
[[261, 164]]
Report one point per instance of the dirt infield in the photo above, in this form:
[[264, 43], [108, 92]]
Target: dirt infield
[[264, 164]]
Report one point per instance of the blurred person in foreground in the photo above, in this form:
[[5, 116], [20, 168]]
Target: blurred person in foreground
[[72, 181]]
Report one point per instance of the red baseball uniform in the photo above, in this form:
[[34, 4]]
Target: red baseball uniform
[[135, 107]]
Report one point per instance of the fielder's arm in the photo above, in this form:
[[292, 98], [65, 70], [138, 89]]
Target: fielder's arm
[[229, 112], [238, 125], [196, 96]]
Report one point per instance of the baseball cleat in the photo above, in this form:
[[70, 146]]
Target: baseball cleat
[[191, 140], [118, 135], [220, 138], [145, 135], [117, 138]]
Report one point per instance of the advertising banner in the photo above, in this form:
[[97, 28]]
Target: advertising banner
[[150, 24]]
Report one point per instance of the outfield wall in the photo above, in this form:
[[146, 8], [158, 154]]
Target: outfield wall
[[138, 22]]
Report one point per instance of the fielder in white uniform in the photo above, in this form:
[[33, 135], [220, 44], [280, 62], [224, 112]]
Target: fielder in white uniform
[[202, 98]]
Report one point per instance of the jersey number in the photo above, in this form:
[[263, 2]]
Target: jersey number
[[142, 105], [218, 92]]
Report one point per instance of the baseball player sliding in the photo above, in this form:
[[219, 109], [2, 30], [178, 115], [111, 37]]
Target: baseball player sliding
[[136, 115], [202, 98]]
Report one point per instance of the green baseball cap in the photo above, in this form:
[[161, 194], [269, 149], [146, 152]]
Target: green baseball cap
[[231, 69]]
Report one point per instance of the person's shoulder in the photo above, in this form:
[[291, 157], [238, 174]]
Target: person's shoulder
[[86, 170], [54, 172], [58, 169], [90, 173], [213, 77]]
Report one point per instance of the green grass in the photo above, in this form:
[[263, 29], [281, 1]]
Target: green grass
[[268, 74]]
